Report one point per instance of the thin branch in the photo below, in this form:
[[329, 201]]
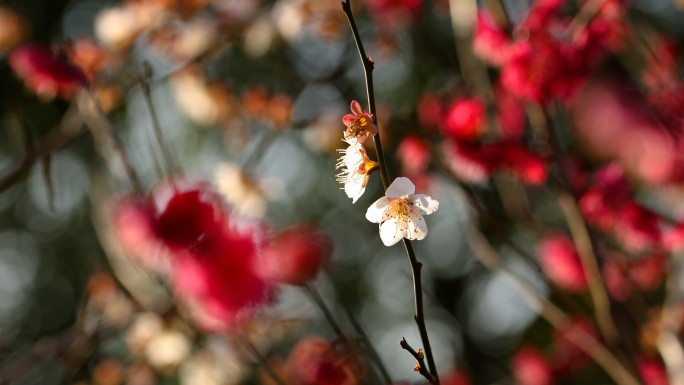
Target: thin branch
[[263, 361], [171, 165], [67, 130], [419, 317], [597, 289], [415, 265], [326, 312], [583, 242], [669, 344], [106, 137], [491, 259], [370, 349], [421, 364], [49, 347], [368, 65]]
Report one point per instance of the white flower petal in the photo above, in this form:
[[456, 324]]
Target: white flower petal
[[389, 233], [424, 204], [400, 187], [377, 209], [354, 189], [417, 228], [353, 158]]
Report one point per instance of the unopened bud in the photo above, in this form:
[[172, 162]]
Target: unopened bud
[[420, 354]]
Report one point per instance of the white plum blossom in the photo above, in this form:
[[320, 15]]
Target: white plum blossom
[[400, 212], [356, 168]]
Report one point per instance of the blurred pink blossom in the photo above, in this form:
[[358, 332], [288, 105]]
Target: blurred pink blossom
[[561, 263], [652, 371], [614, 122], [295, 255], [45, 72], [465, 120], [530, 367], [314, 362]]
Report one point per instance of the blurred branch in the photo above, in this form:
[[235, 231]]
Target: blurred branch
[[47, 348], [474, 72], [416, 266], [144, 80], [263, 361], [106, 138], [68, 129], [550, 312], [421, 364], [370, 349], [597, 289], [264, 143], [668, 342], [326, 312], [588, 11], [581, 237]]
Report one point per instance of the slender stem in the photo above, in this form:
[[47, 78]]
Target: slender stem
[[419, 317], [368, 65], [326, 312], [415, 265], [421, 364]]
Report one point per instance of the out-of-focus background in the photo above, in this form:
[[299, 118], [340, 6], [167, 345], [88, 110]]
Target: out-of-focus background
[[249, 97]]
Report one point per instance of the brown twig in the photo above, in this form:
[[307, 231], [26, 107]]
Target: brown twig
[[421, 363], [415, 265]]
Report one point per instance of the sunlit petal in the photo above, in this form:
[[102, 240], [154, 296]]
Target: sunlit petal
[[377, 209], [400, 187]]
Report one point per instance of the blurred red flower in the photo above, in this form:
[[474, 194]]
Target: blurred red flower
[[314, 362], [465, 120], [561, 263], [530, 367], [652, 371], [295, 255], [213, 266], [46, 73]]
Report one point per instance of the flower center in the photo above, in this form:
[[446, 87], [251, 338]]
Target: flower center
[[398, 208], [361, 125]]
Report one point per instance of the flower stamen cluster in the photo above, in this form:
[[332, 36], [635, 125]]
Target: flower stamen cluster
[[360, 124]]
